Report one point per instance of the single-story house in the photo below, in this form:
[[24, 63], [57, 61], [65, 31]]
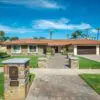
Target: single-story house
[[29, 46]]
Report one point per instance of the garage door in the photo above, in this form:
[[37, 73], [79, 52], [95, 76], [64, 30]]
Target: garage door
[[86, 50]]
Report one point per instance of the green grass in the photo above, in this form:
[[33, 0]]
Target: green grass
[[33, 60], [85, 63], [1, 85], [92, 80], [1, 65]]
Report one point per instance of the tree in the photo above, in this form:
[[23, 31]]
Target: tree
[[2, 35], [87, 32], [39, 38], [35, 37], [42, 37], [6, 38], [67, 36], [77, 34], [14, 38], [98, 29], [51, 33], [74, 35]]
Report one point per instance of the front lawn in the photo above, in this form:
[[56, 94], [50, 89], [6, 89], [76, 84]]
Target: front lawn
[[1, 65], [85, 63], [1, 85], [33, 60], [93, 80]]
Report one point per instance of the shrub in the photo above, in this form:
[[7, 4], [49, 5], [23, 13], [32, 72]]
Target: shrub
[[4, 55], [31, 77]]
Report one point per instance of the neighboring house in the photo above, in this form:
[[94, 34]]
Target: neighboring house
[[31, 46]]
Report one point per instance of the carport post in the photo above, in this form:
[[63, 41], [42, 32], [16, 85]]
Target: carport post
[[97, 50], [75, 49]]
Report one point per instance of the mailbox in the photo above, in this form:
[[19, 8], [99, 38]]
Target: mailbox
[[16, 72]]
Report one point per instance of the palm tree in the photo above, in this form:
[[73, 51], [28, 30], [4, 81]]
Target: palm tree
[[51, 33], [77, 34], [67, 36], [2, 35], [98, 29], [74, 35], [14, 38], [87, 32]]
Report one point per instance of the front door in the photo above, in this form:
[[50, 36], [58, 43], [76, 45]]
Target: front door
[[56, 49], [44, 50]]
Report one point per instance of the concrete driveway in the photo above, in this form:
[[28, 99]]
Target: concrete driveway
[[58, 61], [61, 87], [92, 57]]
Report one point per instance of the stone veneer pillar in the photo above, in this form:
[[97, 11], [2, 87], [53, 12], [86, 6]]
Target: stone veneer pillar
[[16, 79]]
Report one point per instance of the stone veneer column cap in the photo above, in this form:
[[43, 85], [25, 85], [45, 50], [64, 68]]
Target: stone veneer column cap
[[16, 61]]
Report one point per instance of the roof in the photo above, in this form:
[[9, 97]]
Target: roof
[[16, 61], [52, 42]]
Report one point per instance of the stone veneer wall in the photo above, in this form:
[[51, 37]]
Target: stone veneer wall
[[24, 49]]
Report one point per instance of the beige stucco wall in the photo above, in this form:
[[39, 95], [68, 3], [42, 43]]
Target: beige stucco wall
[[3, 48]]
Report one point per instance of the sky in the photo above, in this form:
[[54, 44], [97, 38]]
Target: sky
[[35, 18]]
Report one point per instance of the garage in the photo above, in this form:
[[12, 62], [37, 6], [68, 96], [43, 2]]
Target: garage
[[86, 49]]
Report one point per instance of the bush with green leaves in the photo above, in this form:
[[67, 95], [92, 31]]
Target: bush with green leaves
[[4, 55], [70, 49]]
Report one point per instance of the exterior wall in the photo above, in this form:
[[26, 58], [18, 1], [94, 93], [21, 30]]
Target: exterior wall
[[40, 49], [75, 49], [24, 49], [97, 50]]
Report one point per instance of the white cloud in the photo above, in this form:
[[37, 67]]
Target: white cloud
[[15, 30], [35, 3], [59, 24], [94, 31]]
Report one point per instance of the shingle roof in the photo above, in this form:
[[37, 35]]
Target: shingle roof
[[52, 42]]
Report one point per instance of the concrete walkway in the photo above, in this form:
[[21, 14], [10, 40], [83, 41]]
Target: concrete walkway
[[58, 61], [58, 82], [60, 87], [92, 57]]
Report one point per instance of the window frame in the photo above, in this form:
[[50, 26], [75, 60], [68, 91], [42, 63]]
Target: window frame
[[13, 51], [33, 51]]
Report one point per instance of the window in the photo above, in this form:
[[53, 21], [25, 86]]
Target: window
[[32, 49], [16, 49]]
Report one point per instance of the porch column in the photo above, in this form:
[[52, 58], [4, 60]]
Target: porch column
[[75, 49], [97, 50]]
